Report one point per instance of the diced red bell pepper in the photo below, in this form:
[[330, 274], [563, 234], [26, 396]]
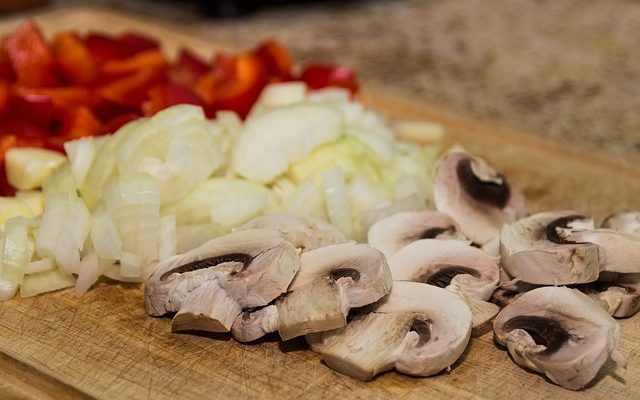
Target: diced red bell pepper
[[34, 110], [61, 97], [234, 84], [6, 69], [187, 69], [276, 60], [119, 121], [131, 90], [134, 43], [4, 98], [318, 76], [73, 58], [167, 95], [152, 59], [30, 56], [76, 122], [104, 48], [27, 133], [6, 142]]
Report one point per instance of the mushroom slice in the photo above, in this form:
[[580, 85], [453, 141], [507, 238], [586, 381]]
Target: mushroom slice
[[617, 251], [560, 332], [418, 329], [331, 281], [623, 221], [509, 289], [393, 233], [538, 249], [621, 298], [453, 265], [479, 198], [210, 285], [303, 231]]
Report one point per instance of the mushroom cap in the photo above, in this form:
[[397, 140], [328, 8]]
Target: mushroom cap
[[305, 232], [479, 198], [393, 233], [617, 251], [251, 267], [449, 264], [536, 250], [623, 221], [560, 332], [418, 329]]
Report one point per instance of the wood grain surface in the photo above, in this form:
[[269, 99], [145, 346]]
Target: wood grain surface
[[103, 345]]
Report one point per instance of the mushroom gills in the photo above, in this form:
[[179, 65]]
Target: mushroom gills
[[331, 281], [560, 332], [418, 329]]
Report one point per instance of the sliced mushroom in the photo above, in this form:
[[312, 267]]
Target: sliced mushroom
[[621, 298], [509, 289], [479, 198], [393, 233], [453, 265], [210, 285], [617, 251], [536, 250], [305, 232], [331, 281], [418, 329], [560, 332], [623, 221]]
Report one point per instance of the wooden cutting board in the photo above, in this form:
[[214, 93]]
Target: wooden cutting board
[[104, 346]]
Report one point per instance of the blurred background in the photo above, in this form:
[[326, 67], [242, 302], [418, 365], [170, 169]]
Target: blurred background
[[565, 69]]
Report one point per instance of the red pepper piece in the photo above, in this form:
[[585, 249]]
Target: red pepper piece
[[134, 43], [31, 110], [151, 59], [30, 56], [73, 58], [318, 76], [234, 84], [276, 60], [6, 69], [61, 97], [167, 95], [104, 48], [4, 98], [187, 69], [131, 90], [119, 121], [76, 122], [27, 133]]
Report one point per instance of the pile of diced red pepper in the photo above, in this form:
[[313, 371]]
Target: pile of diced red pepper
[[80, 85]]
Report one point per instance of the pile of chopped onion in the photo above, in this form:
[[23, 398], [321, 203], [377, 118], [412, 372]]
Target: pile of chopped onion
[[166, 184]]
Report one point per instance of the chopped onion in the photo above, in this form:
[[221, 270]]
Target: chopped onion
[[16, 250], [80, 153], [60, 181], [131, 265], [105, 237], [7, 290], [410, 203], [28, 167], [11, 207], [167, 242], [44, 264], [88, 273], [57, 237], [191, 236], [34, 199], [46, 281], [336, 201], [306, 198]]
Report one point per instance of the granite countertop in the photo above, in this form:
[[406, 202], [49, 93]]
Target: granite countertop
[[565, 69]]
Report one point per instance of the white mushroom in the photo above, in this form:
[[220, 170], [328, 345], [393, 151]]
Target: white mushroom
[[560, 332], [479, 198], [393, 233], [210, 285], [331, 281], [623, 221], [305, 232], [454, 265], [418, 329], [621, 297], [535, 250]]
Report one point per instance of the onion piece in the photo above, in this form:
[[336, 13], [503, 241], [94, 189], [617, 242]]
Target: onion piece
[[44, 264], [88, 273], [337, 202], [167, 238], [105, 237], [191, 236], [80, 153], [47, 281], [16, 250]]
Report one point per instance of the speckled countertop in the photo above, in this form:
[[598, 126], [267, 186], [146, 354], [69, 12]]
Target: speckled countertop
[[566, 69]]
